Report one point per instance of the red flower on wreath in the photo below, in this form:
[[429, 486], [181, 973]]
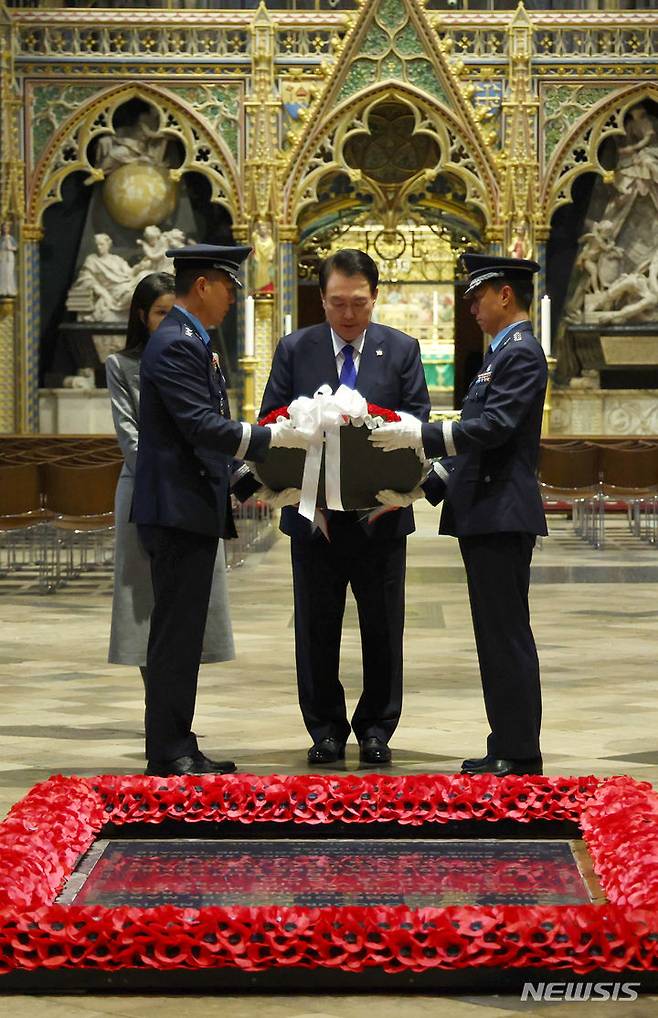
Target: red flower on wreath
[[373, 410]]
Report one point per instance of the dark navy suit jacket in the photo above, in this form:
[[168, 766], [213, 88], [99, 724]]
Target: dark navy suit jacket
[[186, 446], [394, 378], [492, 486]]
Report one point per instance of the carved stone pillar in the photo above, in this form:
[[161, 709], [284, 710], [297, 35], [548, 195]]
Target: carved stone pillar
[[520, 197], [8, 392], [287, 277], [264, 345], [27, 373]]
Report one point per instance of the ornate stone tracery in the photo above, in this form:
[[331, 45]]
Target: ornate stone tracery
[[266, 105], [580, 150], [391, 53], [68, 150]]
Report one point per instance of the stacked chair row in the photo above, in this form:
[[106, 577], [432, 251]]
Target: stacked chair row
[[57, 513], [57, 508], [592, 480]]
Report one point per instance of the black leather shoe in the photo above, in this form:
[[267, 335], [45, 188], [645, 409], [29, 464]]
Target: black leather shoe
[[477, 761], [213, 766], [501, 768], [195, 764], [327, 751], [374, 751]]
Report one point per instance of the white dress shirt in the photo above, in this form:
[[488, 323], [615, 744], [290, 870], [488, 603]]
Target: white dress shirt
[[357, 346]]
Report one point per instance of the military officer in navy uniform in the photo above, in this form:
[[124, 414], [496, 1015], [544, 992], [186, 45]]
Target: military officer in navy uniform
[[493, 504], [185, 460]]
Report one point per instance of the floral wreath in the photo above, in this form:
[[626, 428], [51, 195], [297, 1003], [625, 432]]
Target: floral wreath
[[47, 832], [377, 415]]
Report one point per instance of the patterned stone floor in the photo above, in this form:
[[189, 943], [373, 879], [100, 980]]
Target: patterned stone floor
[[595, 619]]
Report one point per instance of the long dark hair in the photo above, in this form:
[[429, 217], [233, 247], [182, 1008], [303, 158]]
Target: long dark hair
[[146, 293]]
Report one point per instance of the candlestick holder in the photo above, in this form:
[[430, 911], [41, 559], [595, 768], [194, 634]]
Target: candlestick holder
[[248, 369], [548, 401]]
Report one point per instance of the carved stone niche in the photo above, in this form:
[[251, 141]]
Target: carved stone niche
[[626, 356]]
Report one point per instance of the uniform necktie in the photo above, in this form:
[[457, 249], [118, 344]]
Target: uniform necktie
[[348, 370]]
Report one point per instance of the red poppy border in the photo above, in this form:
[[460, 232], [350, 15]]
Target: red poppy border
[[46, 833]]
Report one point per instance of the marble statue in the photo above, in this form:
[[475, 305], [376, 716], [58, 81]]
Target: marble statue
[[104, 287], [8, 249], [154, 243], [139, 143], [599, 256], [519, 246], [637, 170], [632, 297], [612, 273], [264, 246]]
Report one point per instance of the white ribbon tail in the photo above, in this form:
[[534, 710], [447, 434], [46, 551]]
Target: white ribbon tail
[[332, 467], [310, 481]]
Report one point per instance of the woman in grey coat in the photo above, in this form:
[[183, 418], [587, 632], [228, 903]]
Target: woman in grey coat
[[132, 602]]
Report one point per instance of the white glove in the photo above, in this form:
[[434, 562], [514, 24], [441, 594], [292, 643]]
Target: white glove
[[279, 499], [285, 436], [399, 499], [403, 434]]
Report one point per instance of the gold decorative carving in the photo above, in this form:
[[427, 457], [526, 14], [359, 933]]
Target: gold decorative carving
[[343, 107], [32, 232], [521, 166], [7, 366]]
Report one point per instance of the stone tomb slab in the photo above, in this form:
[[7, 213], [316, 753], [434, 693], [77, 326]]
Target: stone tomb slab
[[198, 873]]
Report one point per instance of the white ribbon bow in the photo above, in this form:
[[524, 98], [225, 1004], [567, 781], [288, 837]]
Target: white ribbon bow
[[321, 419]]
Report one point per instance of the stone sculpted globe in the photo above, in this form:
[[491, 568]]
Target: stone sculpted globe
[[138, 195]]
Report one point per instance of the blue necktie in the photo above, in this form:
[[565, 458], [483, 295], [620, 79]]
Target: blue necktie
[[348, 370]]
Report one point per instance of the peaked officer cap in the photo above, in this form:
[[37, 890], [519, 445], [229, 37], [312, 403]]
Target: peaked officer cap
[[210, 256], [481, 268]]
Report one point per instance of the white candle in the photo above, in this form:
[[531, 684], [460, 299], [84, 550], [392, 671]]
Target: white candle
[[249, 327], [546, 324], [287, 324]]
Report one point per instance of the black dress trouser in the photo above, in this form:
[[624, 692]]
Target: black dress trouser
[[182, 565], [375, 570], [498, 574]]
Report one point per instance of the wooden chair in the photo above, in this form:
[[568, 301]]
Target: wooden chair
[[568, 477], [629, 483], [23, 536], [81, 501]]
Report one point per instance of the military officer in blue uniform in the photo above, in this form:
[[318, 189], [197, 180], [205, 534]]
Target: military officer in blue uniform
[[493, 504], [187, 452]]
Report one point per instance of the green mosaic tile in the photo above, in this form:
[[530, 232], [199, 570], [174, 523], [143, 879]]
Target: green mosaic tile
[[422, 74]]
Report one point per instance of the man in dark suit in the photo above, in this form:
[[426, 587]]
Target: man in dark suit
[[384, 366], [493, 504], [181, 505]]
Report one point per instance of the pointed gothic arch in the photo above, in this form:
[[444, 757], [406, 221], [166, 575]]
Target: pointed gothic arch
[[579, 152], [461, 154], [67, 151]]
